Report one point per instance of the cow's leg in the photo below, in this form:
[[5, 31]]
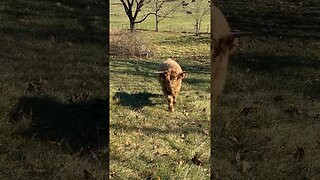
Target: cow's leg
[[170, 102], [176, 93]]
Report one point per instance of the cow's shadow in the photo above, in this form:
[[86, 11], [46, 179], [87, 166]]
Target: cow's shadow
[[78, 126], [136, 101]]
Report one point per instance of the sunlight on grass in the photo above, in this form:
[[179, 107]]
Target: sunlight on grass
[[147, 141], [267, 125]]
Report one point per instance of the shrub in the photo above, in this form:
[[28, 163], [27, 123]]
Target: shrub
[[124, 43]]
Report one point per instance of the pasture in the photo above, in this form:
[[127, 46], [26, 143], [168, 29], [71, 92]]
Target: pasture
[[179, 21], [53, 90], [54, 96], [270, 111], [147, 141], [268, 120]]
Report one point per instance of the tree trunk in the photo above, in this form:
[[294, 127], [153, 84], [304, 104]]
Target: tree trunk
[[197, 28], [157, 23], [157, 17], [132, 26]]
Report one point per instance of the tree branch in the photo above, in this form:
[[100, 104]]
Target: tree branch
[[125, 6], [164, 15], [130, 3], [159, 6], [144, 18], [139, 3]]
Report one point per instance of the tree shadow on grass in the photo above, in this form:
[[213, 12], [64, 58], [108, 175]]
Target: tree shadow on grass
[[186, 39], [151, 130], [79, 127], [147, 68], [68, 20], [135, 101], [195, 81], [134, 67], [312, 90], [298, 22], [265, 62]]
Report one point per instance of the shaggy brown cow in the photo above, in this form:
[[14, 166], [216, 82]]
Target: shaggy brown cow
[[170, 78], [224, 44]]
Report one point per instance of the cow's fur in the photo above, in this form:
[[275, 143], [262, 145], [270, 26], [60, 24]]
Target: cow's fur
[[224, 44], [170, 80]]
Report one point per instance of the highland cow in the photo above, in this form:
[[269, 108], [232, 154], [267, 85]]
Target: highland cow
[[170, 78], [224, 44]]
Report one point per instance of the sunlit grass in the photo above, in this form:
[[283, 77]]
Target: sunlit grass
[[147, 141]]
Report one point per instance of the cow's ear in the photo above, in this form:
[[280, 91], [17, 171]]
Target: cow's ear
[[182, 75]]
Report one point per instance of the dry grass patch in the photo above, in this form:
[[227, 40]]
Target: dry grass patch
[[127, 44]]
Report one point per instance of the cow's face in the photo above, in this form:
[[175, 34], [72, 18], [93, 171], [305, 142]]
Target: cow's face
[[225, 47], [172, 80]]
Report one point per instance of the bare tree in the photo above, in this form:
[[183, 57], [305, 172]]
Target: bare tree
[[132, 9], [162, 9], [198, 9]]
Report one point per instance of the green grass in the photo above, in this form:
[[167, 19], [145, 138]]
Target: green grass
[[147, 141], [179, 21], [53, 102], [267, 126], [53, 90], [271, 101]]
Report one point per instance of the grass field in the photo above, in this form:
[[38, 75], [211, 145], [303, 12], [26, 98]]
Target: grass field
[[53, 90], [119, 19], [146, 140], [54, 96], [268, 123], [270, 112]]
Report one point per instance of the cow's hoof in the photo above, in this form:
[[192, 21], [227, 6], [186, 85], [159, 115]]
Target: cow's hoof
[[171, 110]]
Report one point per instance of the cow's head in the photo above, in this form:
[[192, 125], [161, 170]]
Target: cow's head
[[225, 46], [171, 79]]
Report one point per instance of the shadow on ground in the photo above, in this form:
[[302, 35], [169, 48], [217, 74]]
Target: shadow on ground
[[68, 20], [78, 126], [266, 62], [186, 39], [135, 101], [147, 68], [312, 90], [151, 130], [274, 19], [195, 81]]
